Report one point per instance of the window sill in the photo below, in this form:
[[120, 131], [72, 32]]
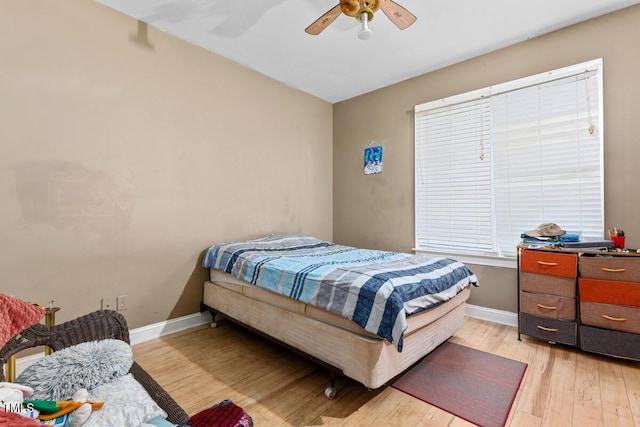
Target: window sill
[[469, 258]]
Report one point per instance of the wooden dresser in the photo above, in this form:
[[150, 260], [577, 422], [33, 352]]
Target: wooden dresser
[[609, 289], [588, 300], [547, 296]]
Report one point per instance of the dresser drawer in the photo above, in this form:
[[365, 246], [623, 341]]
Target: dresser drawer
[[609, 316], [545, 284], [545, 305], [609, 292], [553, 263], [619, 268], [612, 343], [553, 330]]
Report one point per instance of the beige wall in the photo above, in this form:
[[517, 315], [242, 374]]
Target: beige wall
[[120, 164], [377, 211]]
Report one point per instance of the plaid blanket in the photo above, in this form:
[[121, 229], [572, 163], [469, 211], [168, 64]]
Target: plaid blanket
[[375, 289]]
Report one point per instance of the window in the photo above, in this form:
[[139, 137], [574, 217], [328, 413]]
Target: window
[[493, 163]]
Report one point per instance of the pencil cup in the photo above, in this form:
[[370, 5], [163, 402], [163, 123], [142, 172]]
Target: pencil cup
[[618, 241]]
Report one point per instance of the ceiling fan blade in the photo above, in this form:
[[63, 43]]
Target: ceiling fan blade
[[323, 22], [397, 14]]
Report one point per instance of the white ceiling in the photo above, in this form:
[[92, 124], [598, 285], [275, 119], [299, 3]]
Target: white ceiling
[[268, 36]]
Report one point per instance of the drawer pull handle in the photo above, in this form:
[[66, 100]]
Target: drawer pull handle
[[613, 270], [615, 319], [547, 307], [542, 328], [548, 264]]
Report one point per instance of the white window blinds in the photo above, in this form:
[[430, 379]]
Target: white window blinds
[[453, 182], [496, 162]]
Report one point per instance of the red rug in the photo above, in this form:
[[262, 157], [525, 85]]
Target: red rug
[[471, 384]]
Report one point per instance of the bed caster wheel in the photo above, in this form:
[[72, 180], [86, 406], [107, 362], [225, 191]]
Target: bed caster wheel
[[330, 392], [214, 325]]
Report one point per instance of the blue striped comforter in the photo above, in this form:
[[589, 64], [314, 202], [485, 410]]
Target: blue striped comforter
[[375, 289]]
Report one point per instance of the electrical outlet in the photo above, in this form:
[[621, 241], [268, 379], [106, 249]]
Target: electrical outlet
[[121, 302], [108, 303]]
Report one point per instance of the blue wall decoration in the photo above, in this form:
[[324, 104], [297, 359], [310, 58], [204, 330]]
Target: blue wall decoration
[[373, 160]]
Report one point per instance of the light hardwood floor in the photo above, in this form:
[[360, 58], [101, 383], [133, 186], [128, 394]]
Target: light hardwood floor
[[562, 386]]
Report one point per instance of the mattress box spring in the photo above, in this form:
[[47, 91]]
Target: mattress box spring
[[359, 355]]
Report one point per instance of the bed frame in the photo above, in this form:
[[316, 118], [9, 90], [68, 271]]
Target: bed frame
[[328, 338]]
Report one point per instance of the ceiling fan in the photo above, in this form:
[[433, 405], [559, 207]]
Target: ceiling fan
[[363, 11]]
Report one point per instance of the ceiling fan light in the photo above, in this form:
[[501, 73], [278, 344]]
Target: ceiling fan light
[[365, 33]]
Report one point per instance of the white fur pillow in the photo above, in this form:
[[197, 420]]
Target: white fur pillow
[[126, 403], [86, 365]]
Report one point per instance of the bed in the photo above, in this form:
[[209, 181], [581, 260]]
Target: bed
[[367, 314]]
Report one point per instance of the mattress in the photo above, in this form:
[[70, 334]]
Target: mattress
[[376, 289], [329, 337]]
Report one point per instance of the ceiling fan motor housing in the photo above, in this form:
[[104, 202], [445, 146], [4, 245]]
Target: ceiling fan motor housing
[[355, 8]]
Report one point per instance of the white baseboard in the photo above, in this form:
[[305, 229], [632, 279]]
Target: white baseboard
[[167, 327], [492, 315], [23, 362]]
